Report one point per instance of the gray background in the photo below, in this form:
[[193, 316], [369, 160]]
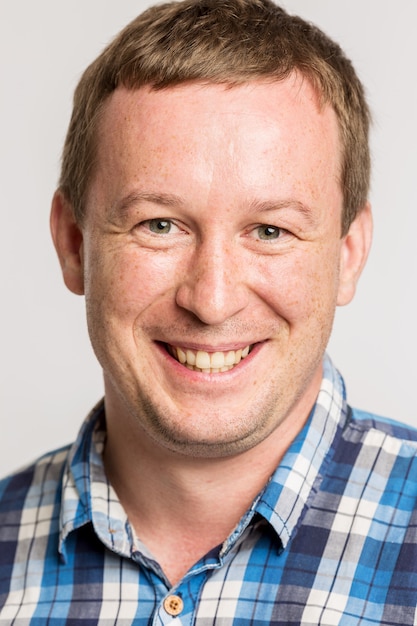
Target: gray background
[[48, 375]]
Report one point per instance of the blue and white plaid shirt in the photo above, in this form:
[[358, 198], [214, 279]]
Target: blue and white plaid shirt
[[331, 539]]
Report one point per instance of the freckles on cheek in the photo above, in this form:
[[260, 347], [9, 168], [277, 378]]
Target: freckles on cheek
[[136, 283], [287, 285], [303, 289], [126, 287]]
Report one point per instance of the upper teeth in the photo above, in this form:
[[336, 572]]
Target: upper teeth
[[211, 362]]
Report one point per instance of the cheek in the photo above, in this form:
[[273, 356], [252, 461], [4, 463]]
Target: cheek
[[302, 288], [123, 284]]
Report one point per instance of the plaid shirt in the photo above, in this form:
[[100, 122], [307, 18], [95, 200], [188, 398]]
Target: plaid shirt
[[330, 540]]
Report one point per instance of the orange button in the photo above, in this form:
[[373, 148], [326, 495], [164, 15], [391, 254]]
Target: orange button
[[173, 605]]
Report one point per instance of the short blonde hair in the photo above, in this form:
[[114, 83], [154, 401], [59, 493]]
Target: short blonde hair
[[219, 41]]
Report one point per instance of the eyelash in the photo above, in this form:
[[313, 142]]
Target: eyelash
[[157, 226], [156, 221], [275, 231]]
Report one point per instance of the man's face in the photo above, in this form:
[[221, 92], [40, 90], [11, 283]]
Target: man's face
[[212, 260]]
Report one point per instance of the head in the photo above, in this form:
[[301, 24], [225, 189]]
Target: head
[[213, 211], [230, 42]]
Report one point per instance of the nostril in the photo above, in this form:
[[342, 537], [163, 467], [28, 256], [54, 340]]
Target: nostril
[[212, 304]]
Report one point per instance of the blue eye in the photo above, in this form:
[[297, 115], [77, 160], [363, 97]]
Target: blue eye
[[267, 232]]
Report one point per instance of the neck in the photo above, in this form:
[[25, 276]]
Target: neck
[[196, 501]]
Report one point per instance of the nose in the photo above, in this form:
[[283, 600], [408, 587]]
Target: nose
[[214, 287]]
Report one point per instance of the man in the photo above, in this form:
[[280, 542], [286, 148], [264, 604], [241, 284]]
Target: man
[[213, 210]]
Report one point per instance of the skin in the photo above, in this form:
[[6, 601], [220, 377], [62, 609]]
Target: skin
[[213, 223]]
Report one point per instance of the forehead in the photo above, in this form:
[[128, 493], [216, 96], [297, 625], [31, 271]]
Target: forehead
[[257, 132], [210, 100]]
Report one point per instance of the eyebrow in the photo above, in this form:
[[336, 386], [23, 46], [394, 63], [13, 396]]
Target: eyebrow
[[279, 205], [121, 208]]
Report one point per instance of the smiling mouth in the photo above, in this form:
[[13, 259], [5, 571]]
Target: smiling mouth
[[208, 362]]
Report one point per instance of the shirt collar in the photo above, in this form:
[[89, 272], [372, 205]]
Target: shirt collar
[[87, 496], [297, 478]]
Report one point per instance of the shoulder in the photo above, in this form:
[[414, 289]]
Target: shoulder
[[365, 421], [34, 485], [30, 504], [380, 444], [374, 462]]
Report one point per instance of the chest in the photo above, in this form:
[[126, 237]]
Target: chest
[[353, 580]]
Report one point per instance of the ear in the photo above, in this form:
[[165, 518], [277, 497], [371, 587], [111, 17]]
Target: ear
[[353, 254], [68, 240]]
